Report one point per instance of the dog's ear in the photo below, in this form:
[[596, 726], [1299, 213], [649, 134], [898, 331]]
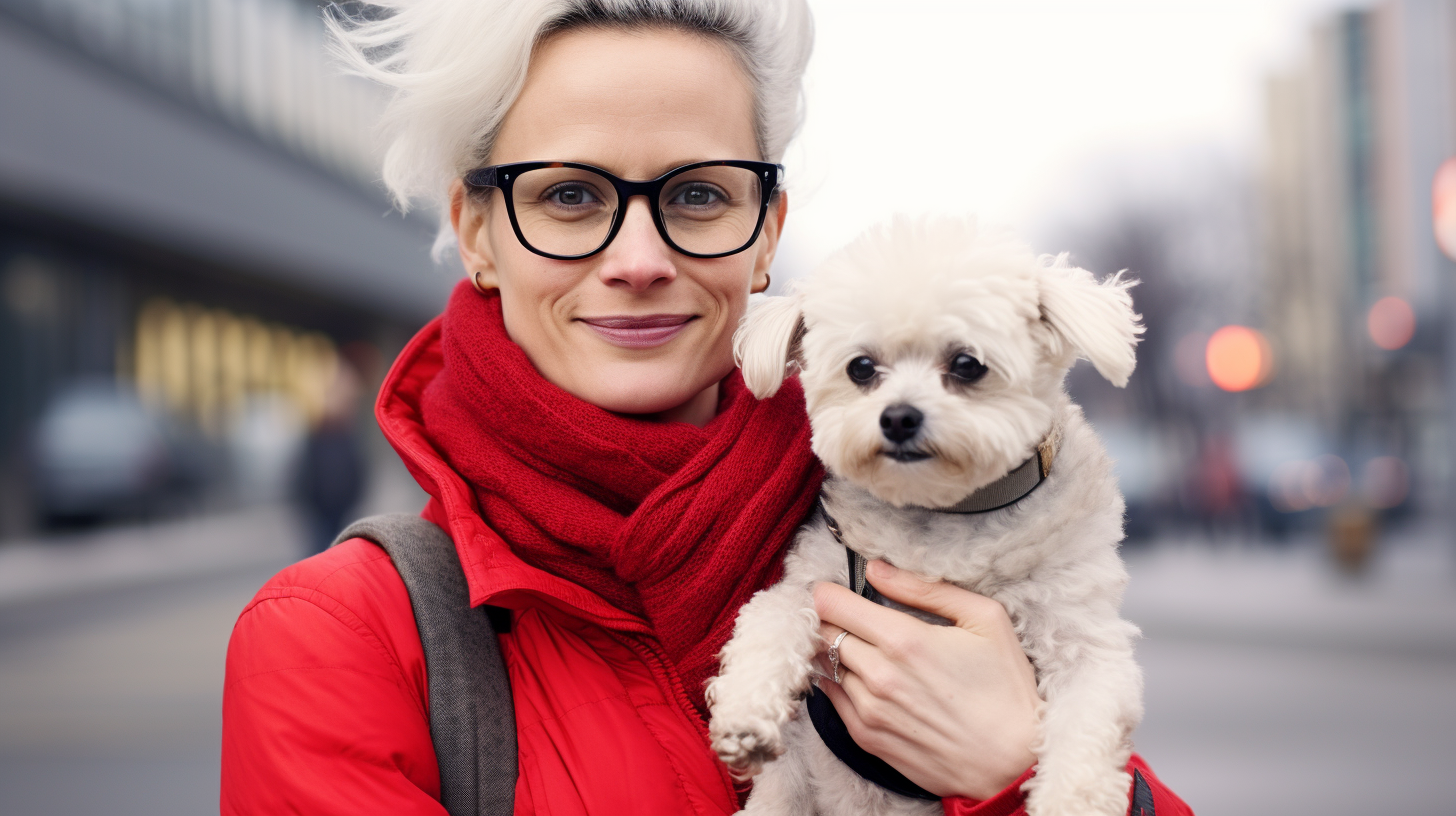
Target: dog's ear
[[1095, 320], [766, 341]]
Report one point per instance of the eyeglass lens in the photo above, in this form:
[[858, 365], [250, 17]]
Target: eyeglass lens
[[569, 211]]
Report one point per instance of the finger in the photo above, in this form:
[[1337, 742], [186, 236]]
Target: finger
[[964, 608], [868, 620], [839, 698], [885, 733], [820, 660], [827, 633], [856, 705], [856, 653]]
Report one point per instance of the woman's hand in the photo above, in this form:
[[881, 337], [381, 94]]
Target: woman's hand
[[953, 708]]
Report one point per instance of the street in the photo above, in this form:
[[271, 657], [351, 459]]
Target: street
[[1251, 729], [110, 703], [109, 699]]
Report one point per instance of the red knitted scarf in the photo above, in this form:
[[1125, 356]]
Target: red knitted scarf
[[676, 524]]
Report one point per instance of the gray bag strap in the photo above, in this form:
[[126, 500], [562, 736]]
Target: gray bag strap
[[472, 718]]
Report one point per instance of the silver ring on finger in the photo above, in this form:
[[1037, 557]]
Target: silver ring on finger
[[834, 655]]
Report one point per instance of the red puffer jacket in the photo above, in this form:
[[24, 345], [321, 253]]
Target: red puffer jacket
[[325, 708]]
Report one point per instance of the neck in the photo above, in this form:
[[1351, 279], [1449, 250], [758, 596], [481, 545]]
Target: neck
[[698, 411]]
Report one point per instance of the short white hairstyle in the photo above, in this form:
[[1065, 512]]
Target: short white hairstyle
[[457, 66]]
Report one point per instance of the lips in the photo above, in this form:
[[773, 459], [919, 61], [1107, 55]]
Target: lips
[[907, 455], [638, 331]]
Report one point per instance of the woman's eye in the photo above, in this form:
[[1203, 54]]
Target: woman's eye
[[570, 195], [861, 369], [966, 368], [697, 195]]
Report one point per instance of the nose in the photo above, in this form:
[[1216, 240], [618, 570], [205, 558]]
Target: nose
[[637, 257], [900, 423]]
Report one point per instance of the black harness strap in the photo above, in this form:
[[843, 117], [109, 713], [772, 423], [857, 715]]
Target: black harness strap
[[857, 563], [472, 716]]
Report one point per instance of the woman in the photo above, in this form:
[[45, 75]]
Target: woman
[[577, 420]]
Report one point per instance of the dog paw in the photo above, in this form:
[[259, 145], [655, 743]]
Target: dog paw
[[745, 749], [1087, 794]]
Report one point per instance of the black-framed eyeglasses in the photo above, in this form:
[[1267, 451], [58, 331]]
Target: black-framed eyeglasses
[[567, 210]]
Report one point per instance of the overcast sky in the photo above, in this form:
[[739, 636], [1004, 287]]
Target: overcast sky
[[996, 107]]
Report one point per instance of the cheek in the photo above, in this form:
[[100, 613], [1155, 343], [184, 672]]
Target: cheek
[[721, 298], [536, 297], [727, 280]]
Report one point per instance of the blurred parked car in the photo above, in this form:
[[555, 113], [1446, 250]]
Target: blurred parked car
[[99, 452], [1290, 470], [1146, 464]]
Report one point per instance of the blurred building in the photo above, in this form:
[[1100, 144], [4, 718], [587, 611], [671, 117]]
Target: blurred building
[[1356, 293], [189, 210]]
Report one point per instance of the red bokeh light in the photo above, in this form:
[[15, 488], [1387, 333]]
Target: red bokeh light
[[1392, 323]]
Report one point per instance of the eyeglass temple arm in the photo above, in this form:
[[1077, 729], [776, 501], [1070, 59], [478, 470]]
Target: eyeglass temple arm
[[484, 177], [777, 185]]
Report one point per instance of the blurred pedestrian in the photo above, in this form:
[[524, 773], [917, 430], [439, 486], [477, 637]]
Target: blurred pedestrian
[[1219, 492], [611, 488], [332, 468]]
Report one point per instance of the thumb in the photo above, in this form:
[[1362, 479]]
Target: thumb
[[961, 607]]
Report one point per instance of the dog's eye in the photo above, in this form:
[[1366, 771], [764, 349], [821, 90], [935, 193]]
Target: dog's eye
[[861, 369], [966, 368]]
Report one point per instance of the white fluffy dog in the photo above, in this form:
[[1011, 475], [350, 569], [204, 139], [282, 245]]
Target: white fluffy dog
[[932, 355]]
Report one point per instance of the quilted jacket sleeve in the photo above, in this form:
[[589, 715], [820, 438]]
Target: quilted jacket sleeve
[[324, 707], [1148, 797]]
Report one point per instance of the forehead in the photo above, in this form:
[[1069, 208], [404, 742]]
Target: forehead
[[635, 102], [912, 301]]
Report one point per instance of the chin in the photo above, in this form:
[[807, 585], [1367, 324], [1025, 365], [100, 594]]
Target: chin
[[642, 388]]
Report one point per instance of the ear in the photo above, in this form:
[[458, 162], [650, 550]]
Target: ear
[[766, 340], [1094, 320], [469, 219], [768, 242]]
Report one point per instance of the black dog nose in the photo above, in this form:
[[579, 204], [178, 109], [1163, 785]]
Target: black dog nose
[[900, 423]]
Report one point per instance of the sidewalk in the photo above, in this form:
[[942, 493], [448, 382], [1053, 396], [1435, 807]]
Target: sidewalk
[[1291, 594], [270, 535], [1180, 589], [117, 557]]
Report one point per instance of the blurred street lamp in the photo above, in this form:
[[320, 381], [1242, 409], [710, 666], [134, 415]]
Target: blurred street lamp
[[1238, 358], [1443, 221], [1443, 207], [1391, 323]]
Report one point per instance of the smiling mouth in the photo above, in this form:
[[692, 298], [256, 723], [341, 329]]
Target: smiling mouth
[[638, 332], [906, 455]]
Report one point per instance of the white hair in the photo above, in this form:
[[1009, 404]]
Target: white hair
[[457, 66]]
